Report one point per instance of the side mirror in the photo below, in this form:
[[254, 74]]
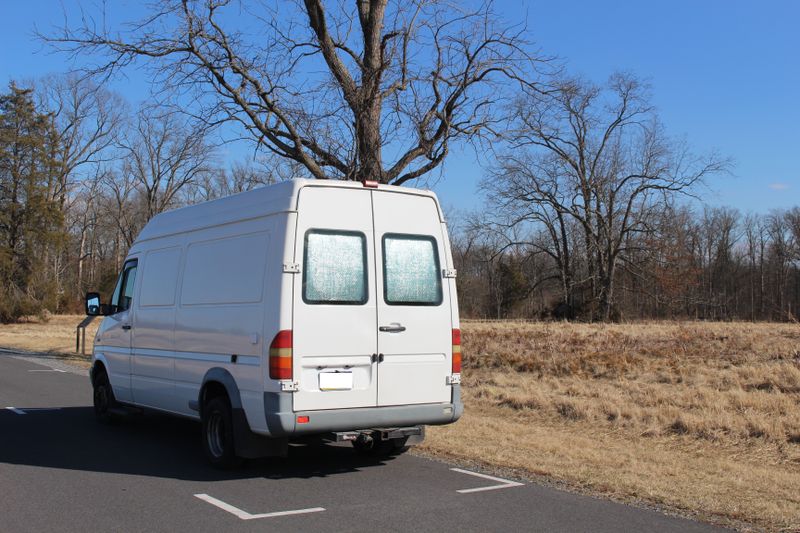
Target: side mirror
[[93, 305]]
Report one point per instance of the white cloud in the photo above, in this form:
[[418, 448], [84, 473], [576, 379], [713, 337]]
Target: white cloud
[[778, 186]]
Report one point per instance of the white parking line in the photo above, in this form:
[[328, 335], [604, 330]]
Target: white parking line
[[244, 515], [28, 409], [504, 483], [50, 370]]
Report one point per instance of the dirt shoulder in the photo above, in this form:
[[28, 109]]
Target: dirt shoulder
[[54, 338]]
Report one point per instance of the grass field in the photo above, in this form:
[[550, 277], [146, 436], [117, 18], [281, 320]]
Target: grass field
[[702, 418], [55, 336], [698, 417]]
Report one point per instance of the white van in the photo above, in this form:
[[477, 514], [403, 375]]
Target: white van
[[304, 308]]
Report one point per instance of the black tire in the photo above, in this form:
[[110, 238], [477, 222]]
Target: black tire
[[218, 442], [103, 398], [400, 447]]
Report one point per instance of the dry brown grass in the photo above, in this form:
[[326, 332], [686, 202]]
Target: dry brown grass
[[55, 336], [700, 417]]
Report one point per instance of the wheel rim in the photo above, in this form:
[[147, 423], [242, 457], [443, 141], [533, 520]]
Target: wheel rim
[[214, 434]]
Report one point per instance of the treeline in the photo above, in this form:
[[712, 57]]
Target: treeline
[[587, 217], [710, 263], [81, 172], [583, 216]]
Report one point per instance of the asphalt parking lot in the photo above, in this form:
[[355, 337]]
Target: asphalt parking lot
[[61, 471]]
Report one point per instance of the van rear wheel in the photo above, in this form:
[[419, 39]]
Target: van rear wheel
[[218, 442], [103, 398]]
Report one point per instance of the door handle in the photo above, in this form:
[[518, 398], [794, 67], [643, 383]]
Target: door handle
[[126, 326], [394, 328]]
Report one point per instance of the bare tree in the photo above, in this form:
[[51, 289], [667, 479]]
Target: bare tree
[[369, 90], [756, 234], [598, 156], [81, 221], [164, 154], [88, 119]]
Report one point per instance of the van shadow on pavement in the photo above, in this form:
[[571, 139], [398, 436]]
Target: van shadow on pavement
[[149, 445]]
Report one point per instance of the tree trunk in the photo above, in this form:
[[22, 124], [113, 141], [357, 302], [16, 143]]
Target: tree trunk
[[369, 101], [81, 252], [369, 142]]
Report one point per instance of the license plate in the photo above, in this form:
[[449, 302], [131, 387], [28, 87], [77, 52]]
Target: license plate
[[335, 380]]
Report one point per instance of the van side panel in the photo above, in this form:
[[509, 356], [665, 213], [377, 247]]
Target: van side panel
[[221, 312]]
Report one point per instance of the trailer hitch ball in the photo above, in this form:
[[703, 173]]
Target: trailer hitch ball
[[365, 441]]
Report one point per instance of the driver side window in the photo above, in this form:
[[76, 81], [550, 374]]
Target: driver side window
[[123, 292]]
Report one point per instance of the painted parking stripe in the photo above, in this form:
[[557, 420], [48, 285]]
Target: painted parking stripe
[[49, 370], [244, 515], [503, 483], [29, 409]]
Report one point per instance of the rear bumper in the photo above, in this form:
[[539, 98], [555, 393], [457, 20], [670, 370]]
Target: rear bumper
[[282, 420]]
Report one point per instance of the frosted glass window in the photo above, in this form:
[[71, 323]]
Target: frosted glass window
[[411, 270], [334, 268]]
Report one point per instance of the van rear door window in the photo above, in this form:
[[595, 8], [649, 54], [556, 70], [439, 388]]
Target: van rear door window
[[335, 268], [411, 270]]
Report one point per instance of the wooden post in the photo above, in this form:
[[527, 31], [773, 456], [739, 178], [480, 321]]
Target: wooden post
[[80, 335]]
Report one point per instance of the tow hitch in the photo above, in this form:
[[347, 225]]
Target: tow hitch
[[366, 437]]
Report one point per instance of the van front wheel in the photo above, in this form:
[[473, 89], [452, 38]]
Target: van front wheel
[[103, 398], [218, 441]]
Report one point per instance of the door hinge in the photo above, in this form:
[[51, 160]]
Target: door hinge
[[291, 268], [455, 379], [449, 272], [289, 386]]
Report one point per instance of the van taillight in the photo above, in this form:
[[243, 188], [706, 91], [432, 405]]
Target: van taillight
[[280, 355], [456, 351]]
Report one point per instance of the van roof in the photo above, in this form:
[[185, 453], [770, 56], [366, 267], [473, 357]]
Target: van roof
[[277, 198]]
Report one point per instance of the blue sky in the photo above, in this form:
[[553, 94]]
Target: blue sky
[[725, 75]]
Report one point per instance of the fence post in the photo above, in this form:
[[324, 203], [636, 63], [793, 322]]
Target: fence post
[[80, 334]]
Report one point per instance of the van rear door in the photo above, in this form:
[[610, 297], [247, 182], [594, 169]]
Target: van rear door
[[334, 323], [413, 302]]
